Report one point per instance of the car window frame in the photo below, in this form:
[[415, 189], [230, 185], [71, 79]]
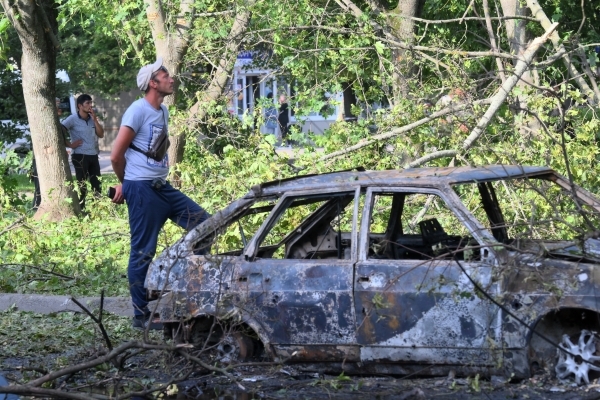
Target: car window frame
[[287, 198], [490, 250]]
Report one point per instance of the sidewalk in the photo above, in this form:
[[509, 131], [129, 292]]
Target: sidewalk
[[43, 304]]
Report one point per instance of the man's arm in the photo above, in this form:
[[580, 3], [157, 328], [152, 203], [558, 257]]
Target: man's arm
[[99, 128], [68, 143], [117, 158]]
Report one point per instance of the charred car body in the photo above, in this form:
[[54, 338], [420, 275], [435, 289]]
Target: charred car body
[[476, 269]]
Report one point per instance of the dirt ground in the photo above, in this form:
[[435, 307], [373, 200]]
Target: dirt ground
[[290, 383]]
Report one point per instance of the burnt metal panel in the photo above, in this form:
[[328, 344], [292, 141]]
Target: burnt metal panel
[[301, 301], [422, 177], [535, 286], [426, 311]]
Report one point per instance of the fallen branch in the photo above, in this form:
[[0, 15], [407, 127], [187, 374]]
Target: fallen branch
[[98, 321], [386, 135], [12, 226], [540, 15], [496, 101], [208, 367]]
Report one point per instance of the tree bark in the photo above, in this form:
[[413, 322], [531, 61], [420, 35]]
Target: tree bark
[[35, 23], [515, 28], [172, 45], [492, 36], [402, 26], [516, 33], [218, 83]]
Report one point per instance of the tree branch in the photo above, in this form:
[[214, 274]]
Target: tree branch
[[540, 15], [226, 63], [434, 116], [490, 30], [496, 102], [15, 224]]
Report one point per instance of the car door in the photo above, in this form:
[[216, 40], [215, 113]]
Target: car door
[[298, 272], [413, 299]]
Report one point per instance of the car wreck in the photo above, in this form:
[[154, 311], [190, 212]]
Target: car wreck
[[481, 270]]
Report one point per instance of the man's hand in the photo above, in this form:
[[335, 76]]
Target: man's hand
[[76, 143], [118, 197], [93, 114]]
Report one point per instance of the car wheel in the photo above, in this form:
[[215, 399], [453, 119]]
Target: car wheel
[[235, 347], [567, 328], [577, 359]]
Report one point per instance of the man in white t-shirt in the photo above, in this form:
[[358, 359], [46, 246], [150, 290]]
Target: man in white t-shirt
[[151, 200]]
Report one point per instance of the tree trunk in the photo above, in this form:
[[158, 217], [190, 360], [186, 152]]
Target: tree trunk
[[172, 45], [35, 23], [218, 83], [515, 28], [403, 26]]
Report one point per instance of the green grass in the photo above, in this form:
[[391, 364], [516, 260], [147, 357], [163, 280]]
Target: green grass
[[23, 182]]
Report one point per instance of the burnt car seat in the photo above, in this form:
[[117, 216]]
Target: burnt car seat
[[437, 240], [432, 232]]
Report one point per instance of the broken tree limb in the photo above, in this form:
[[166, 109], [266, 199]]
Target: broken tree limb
[[490, 30], [588, 70], [506, 88], [496, 101], [394, 132], [540, 15], [219, 81]]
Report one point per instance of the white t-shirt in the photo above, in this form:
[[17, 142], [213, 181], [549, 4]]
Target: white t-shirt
[[147, 123]]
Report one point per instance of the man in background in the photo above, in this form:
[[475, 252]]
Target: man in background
[[84, 126]]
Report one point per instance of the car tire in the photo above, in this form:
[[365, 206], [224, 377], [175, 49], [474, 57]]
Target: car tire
[[572, 329]]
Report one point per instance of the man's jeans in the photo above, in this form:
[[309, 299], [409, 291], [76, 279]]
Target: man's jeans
[[148, 210]]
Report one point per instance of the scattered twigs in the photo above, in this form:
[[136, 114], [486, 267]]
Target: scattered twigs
[[211, 368], [14, 225], [98, 320], [39, 269]]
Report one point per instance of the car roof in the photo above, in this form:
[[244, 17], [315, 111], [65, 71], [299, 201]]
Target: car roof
[[414, 177]]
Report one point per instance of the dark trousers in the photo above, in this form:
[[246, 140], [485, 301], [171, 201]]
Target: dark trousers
[[148, 210], [37, 196], [284, 129], [87, 167]]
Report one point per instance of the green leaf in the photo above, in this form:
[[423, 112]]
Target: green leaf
[[4, 24]]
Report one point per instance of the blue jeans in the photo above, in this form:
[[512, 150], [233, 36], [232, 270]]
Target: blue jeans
[[148, 210]]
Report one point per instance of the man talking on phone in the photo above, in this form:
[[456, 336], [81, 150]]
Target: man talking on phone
[[151, 199], [84, 126]]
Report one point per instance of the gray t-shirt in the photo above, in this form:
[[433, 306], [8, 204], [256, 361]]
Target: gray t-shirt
[[85, 130], [147, 123]]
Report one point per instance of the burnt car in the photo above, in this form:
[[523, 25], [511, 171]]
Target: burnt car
[[486, 270]]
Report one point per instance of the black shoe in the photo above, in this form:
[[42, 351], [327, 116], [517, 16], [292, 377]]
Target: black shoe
[[143, 322]]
